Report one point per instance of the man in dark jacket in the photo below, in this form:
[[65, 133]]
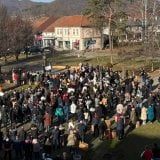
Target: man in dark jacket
[[22, 135], [120, 126], [55, 137], [7, 147], [102, 128], [28, 149], [17, 145], [81, 130]]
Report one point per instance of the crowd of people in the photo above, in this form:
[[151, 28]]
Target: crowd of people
[[85, 100]]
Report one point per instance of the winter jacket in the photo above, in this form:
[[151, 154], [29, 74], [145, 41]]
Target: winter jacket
[[71, 140], [144, 114], [150, 113], [47, 119], [73, 108]]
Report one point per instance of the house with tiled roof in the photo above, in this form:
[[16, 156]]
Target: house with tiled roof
[[76, 33], [44, 31]]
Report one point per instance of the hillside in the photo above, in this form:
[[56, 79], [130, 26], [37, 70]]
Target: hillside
[[17, 6], [56, 8]]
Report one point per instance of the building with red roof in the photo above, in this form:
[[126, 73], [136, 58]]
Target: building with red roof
[[44, 31], [76, 33]]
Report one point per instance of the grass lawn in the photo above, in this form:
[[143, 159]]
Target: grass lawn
[[131, 147], [119, 62]]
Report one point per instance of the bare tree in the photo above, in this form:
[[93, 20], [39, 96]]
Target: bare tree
[[4, 36]]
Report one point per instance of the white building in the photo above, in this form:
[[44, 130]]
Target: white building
[[76, 33]]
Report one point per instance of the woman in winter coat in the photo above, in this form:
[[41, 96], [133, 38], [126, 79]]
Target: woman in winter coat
[[47, 121], [71, 140], [144, 115], [133, 117], [150, 113]]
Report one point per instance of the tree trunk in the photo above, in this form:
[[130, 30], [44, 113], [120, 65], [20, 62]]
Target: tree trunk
[[110, 36]]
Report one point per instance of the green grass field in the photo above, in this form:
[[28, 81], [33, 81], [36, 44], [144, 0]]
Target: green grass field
[[131, 147]]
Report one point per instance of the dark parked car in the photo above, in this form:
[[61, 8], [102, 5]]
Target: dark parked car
[[35, 49]]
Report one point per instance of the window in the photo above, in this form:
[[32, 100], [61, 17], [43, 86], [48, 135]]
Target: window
[[74, 32], [65, 31], [77, 32], [57, 31], [61, 31], [97, 32]]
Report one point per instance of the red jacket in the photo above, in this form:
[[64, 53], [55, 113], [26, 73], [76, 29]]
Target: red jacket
[[147, 154], [47, 119]]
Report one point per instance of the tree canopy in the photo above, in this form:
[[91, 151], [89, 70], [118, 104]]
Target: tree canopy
[[15, 33]]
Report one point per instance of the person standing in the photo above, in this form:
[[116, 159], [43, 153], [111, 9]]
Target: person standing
[[7, 147], [36, 149], [81, 131], [71, 141], [133, 117], [47, 146], [157, 112], [147, 154], [150, 113], [60, 114], [55, 137], [28, 149], [120, 126], [47, 121], [144, 115], [17, 145], [102, 128]]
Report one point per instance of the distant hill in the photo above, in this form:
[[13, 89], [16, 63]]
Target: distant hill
[[56, 8], [17, 6]]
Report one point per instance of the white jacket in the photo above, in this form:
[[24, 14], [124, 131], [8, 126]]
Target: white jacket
[[73, 108]]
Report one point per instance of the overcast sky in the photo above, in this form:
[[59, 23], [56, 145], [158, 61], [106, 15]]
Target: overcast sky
[[42, 1]]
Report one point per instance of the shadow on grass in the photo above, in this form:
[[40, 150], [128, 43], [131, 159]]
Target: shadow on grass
[[128, 149]]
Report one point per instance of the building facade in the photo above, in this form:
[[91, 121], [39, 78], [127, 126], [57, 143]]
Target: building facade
[[76, 33]]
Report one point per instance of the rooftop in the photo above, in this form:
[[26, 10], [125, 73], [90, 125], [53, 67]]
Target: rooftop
[[73, 21]]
